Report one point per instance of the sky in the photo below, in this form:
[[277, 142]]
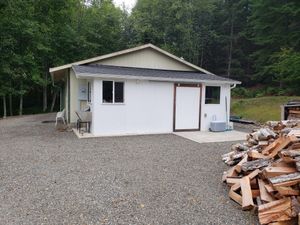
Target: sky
[[129, 4]]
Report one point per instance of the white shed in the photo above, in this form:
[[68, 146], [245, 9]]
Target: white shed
[[143, 90]]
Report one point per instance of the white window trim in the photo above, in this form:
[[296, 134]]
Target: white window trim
[[113, 94]]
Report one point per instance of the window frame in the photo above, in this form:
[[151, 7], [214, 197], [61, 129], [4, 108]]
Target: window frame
[[113, 93], [208, 103], [89, 92]]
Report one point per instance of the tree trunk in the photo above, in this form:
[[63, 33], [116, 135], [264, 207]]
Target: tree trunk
[[10, 104], [230, 47], [21, 105], [202, 54], [53, 100], [4, 107], [45, 100]]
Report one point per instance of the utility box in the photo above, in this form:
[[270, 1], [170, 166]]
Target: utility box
[[218, 126]]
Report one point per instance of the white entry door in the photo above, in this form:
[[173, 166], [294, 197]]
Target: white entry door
[[187, 108]]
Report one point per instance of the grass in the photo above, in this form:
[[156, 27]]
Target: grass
[[260, 109]]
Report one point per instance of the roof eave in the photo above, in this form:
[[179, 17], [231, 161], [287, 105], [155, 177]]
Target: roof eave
[[130, 77]]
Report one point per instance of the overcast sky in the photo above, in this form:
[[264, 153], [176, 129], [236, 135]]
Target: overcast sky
[[129, 4]]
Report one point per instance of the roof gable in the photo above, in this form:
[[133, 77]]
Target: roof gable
[[127, 51], [146, 58]]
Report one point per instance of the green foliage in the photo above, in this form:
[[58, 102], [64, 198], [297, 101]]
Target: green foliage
[[38, 34], [274, 27]]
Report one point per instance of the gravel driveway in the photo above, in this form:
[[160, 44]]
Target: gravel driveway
[[51, 177]]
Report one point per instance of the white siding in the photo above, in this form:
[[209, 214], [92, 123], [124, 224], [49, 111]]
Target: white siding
[[148, 108], [217, 111]]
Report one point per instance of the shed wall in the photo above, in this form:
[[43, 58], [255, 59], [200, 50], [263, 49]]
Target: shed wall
[[148, 108]]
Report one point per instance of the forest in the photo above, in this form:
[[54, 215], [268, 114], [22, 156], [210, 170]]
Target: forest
[[254, 41]]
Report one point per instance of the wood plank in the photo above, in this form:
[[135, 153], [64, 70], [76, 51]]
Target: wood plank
[[247, 198], [264, 195]]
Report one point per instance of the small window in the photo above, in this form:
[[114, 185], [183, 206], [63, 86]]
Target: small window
[[212, 95], [113, 92]]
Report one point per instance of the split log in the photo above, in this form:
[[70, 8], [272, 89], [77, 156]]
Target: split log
[[290, 153], [233, 180], [293, 221], [239, 147], [255, 193], [270, 188], [295, 206], [287, 191], [272, 146], [229, 173], [264, 195], [282, 145], [256, 164], [235, 196], [298, 165], [270, 171], [285, 180], [279, 210], [263, 143], [247, 199], [238, 167], [256, 155], [252, 175]]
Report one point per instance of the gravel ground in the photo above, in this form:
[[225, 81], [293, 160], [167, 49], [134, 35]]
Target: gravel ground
[[51, 177]]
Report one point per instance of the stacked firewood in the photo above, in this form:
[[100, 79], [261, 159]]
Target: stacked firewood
[[265, 172]]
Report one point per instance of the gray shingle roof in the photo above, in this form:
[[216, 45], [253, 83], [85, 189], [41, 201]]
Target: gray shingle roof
[[145, 72]]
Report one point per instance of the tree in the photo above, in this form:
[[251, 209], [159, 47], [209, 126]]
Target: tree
[[275, 26]]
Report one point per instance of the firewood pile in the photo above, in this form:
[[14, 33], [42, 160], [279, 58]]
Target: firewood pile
[[265, 172]]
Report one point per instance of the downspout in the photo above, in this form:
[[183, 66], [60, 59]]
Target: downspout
[[226, 109], [69, 96], [231, 87]]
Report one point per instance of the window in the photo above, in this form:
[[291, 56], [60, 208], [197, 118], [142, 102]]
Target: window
[[212, 95], [119, 92], [113, 92]]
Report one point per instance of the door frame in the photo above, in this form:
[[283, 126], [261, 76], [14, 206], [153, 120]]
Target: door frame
[[174, 105]]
